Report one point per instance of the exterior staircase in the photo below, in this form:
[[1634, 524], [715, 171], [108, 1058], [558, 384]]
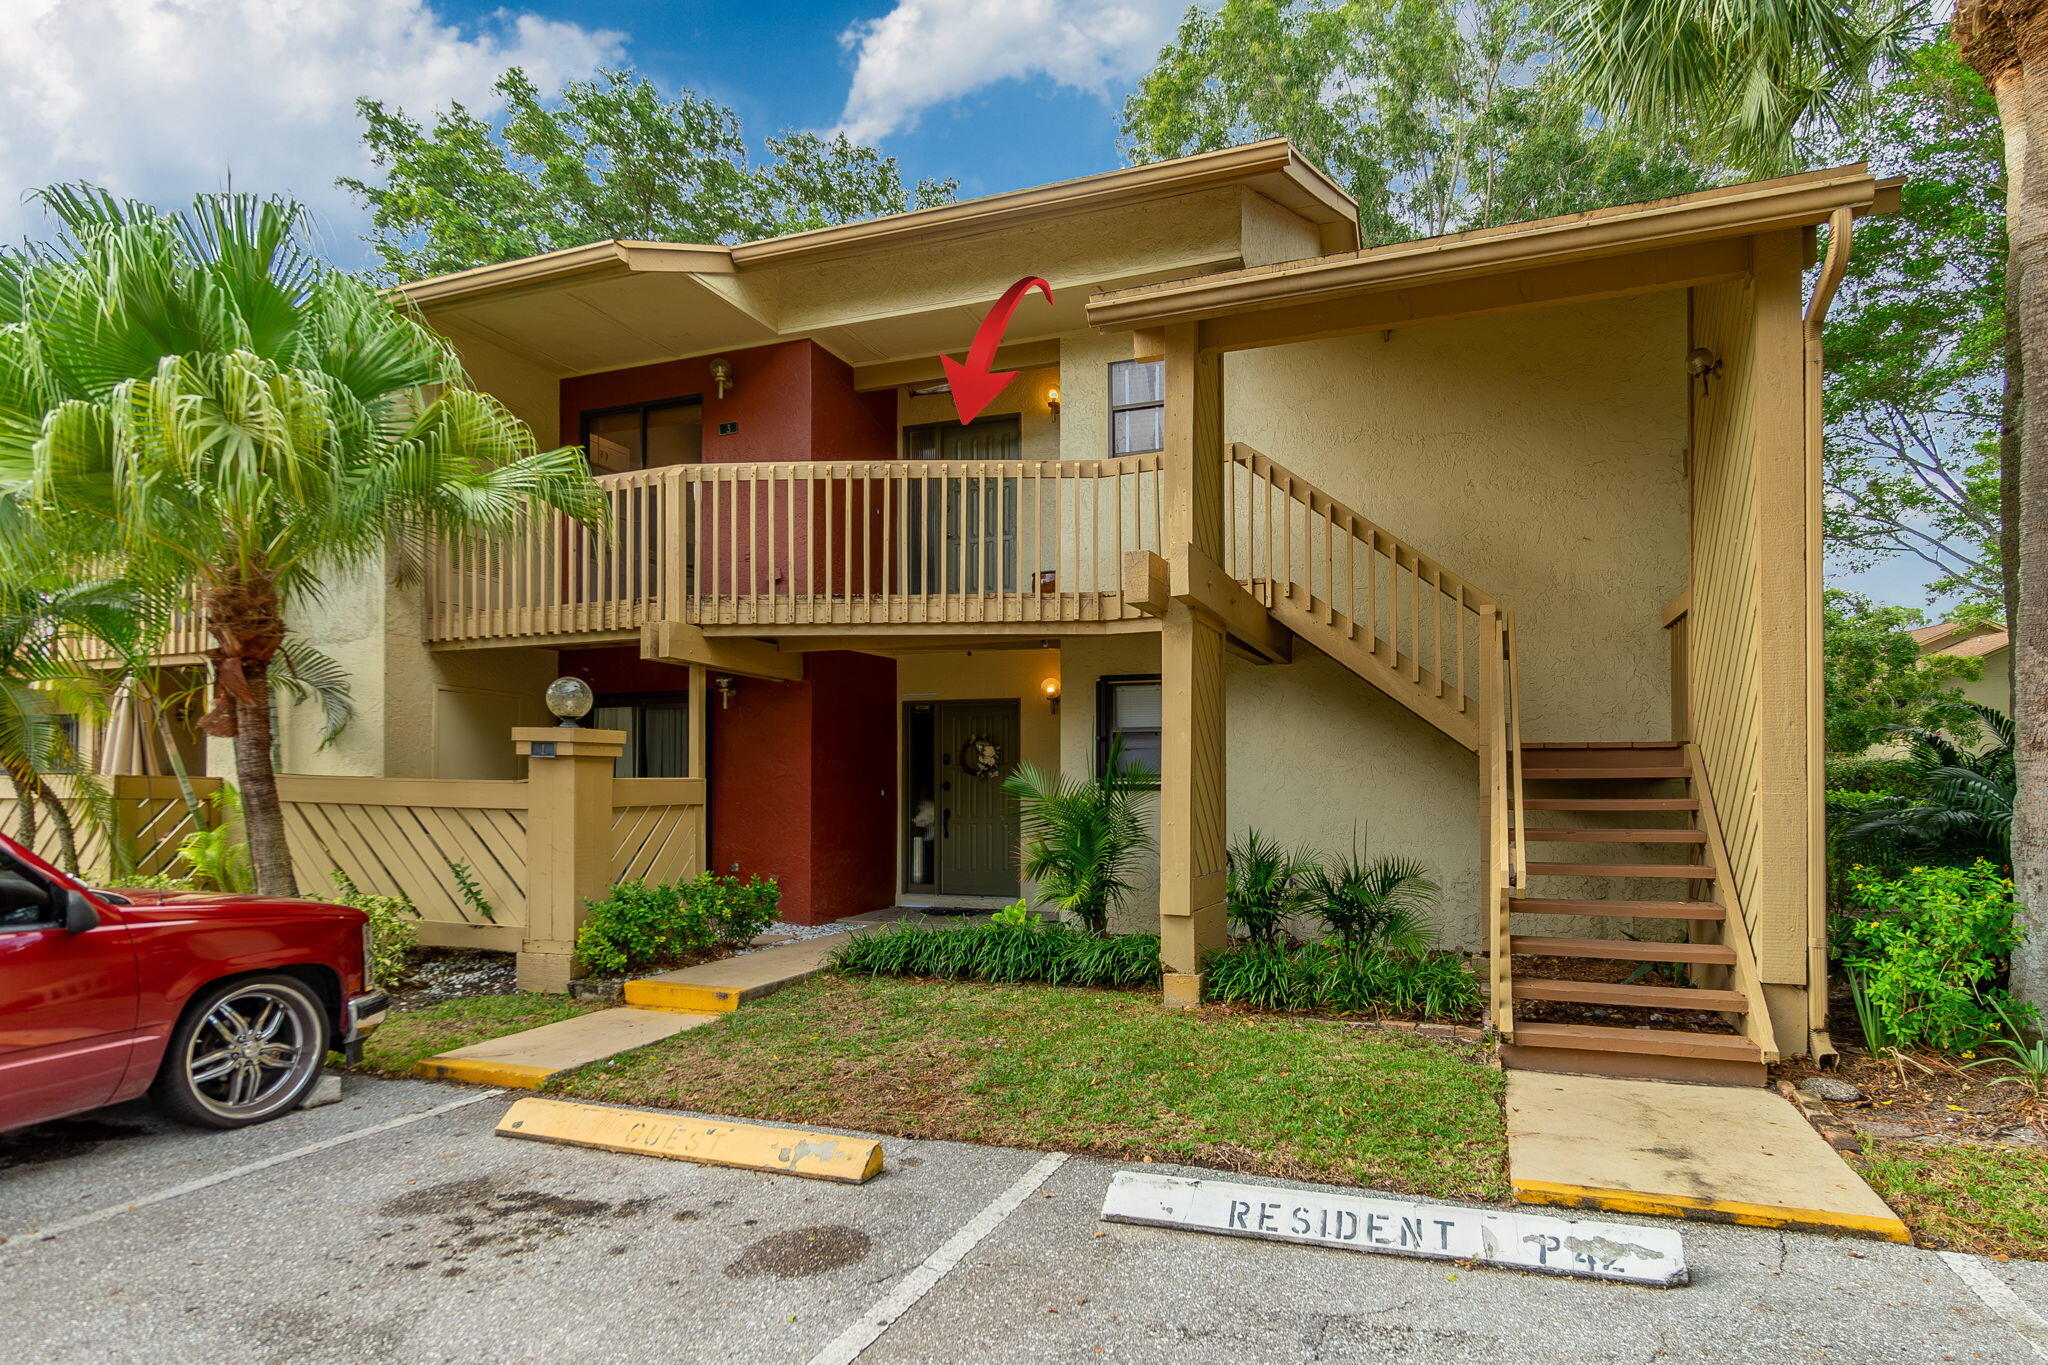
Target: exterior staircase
[[1640, 804], [1586, 1001]]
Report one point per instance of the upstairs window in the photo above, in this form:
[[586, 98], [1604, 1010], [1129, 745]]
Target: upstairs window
[[1137, 407], [1128, 709]]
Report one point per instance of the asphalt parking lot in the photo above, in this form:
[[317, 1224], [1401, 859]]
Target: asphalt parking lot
[[394, 1226]]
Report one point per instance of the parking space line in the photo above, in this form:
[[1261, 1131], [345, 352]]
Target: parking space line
[[1999, 1297], [222, 1177], [915, 1285]]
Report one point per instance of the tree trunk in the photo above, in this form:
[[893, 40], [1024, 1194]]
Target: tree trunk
[[2028, 231], [256, 776], [173, 755], [67, 834], [2012, 120], [24, 811], [245, 616]]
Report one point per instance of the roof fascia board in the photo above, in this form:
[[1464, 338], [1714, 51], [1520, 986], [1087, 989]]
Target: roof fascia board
[[1308, 187], [596, 260], [1740, 210]]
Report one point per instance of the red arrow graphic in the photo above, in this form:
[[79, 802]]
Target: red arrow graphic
[[974, 385]]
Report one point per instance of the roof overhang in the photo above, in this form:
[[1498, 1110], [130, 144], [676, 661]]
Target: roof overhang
[[1673, 240]]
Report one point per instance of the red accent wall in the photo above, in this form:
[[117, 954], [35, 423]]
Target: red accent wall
[[803, 785], [804, 774]]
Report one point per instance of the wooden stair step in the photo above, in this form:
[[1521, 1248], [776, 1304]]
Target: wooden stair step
[[1610, 803], [1618, 836], [1629, 994], [1663, 1042], [1600, 745], [1623, 909], [1628, 950], [1667, 871], [1553, 773]]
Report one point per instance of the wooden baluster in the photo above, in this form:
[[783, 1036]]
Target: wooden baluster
[[1414, 619], [1436, 613], [1458, 612]]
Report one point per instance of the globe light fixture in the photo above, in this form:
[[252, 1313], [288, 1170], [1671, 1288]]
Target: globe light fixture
[[570, 700]]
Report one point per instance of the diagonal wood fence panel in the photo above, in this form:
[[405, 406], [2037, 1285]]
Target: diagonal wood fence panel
[[404, 836], [150, 814], [657, 828]]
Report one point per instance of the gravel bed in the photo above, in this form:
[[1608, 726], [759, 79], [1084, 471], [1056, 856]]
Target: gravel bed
[[440, 974]]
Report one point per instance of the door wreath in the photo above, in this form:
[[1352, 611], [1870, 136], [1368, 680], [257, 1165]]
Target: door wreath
[[981, 756]]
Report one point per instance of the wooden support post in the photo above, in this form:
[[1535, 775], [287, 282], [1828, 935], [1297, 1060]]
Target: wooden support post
[[568, 842], [1193, 807], [700, 755]]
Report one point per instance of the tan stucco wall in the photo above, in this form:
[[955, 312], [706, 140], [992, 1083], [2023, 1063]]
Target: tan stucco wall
[[1539, 456], [419, 713], [1993, 687]]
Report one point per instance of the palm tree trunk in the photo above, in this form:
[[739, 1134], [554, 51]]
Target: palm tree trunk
[[256, 776], [173, 755], [67, 835], [2028, 231], [24, 811]]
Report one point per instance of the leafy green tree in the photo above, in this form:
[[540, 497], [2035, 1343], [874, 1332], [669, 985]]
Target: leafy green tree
[[1878, 683], [1435, 115], [1916, 339], [612, 158], [197, 400]]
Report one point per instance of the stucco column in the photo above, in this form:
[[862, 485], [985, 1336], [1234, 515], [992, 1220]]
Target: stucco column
[[1193, 805], [568, 842]]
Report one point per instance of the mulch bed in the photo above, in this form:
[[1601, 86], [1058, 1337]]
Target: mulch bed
[[1928, 1098]]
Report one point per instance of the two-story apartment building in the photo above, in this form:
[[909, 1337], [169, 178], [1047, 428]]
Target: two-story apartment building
[[1498, 550]]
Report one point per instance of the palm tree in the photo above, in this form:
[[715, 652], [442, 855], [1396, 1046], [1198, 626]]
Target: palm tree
[[1745, 77], [41, 680], [1267, 885], [1082, 836], [1966, 806], [1369, 903], [197, 399]]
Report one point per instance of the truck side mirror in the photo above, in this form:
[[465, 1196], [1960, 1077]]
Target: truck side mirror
[[79, 914]]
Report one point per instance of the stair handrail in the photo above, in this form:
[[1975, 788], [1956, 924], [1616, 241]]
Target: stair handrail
[[1518, 835], [1497, 771], [1362, 527], [1756, 1022]]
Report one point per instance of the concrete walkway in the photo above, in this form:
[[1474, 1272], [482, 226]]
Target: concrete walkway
[[1723, 1153], [658, 1007], [390, 1227]]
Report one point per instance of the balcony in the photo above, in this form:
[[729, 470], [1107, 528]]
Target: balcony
[[765, 549]]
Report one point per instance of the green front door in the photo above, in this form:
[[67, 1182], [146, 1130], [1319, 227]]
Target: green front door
[[975, 749]]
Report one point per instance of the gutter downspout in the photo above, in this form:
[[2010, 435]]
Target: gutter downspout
[[1840, 230]]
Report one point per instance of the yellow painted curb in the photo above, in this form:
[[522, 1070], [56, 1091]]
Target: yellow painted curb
[[1709, 1210], [665, 995], [821, 1156], [512, 1074]]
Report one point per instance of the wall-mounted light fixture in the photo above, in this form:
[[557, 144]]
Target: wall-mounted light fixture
[[721, 374], [1051, 688], [726, 685], [1702, 364], [569, 700], [1052, 402]]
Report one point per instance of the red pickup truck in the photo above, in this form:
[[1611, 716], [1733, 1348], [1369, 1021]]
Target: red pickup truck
[[220, 1007]]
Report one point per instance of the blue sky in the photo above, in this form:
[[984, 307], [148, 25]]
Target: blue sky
[[164, 98]]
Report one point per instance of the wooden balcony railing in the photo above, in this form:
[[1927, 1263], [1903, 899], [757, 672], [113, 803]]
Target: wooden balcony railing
[[823, 543]]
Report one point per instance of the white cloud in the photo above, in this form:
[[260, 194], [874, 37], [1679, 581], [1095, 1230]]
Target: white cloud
[[927, 52], [162, 99]]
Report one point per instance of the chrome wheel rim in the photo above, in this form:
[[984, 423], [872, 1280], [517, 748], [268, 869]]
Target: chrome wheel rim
[[251, 1051]]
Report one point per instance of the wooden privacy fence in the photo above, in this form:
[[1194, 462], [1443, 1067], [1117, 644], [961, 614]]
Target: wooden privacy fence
[[657, 828], [419, 838], [150, 818], [816, 542]]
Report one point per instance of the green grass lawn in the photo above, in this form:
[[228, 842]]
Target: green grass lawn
[[1107, 1072], [1993, 1201]]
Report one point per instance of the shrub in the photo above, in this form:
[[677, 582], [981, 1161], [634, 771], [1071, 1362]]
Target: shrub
[[636, 924], [1082, 838], [1875, 776], [219, 857], [1054, 954], [1331, 976], [1268, 885], [393, 937], [1926, 947], [1373, 903]]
